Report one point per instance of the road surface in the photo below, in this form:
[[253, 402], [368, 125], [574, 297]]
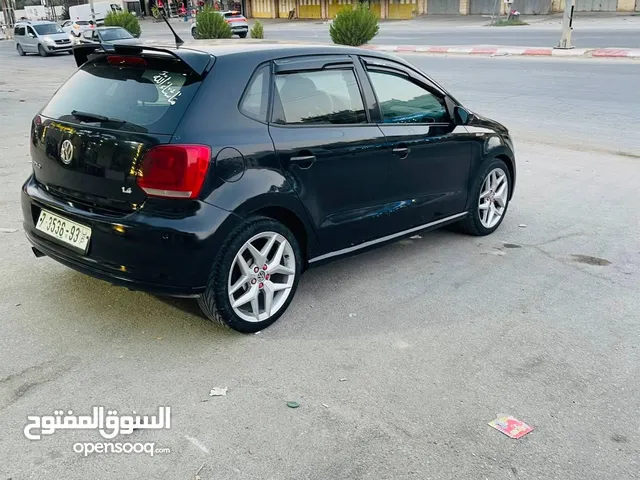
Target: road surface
[[399, 357]]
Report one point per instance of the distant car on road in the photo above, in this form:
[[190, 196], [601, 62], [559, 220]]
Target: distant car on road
[[147, 176], [109, 36], [237, 22], [41, 37], [77, 27]]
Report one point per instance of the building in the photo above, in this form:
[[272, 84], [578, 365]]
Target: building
[[405, 9]]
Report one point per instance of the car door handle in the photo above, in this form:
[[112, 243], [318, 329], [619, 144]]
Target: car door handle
[[303, 161], [402, 152]]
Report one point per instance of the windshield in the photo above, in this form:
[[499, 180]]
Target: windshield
[[48, 29], [115, 34], [150, 99]]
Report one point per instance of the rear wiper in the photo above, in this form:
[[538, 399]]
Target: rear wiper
[[94, 117], [91, 117]]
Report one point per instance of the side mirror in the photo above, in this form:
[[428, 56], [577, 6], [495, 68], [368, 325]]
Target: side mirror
[[461, 115]]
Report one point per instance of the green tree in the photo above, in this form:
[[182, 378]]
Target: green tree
[[257, 30], [210, 24], [354, 27], [126, 20]]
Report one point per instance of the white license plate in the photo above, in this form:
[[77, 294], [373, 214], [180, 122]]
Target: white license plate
[[63, 229]]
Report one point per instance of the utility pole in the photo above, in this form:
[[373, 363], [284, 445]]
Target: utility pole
[[567, 24], [93, 13]]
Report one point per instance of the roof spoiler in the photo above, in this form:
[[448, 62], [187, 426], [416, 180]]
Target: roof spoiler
[[194, 59]]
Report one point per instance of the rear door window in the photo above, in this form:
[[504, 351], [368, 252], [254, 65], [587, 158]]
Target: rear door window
[[319, 97], [147, 99]]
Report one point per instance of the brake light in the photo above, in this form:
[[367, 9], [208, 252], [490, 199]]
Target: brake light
[[123, 60], [174, 171]]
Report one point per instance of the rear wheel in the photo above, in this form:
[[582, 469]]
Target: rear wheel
[[20, 51], [254, 277], [490, 193], [42, 51], [194, 33], [243, 35]]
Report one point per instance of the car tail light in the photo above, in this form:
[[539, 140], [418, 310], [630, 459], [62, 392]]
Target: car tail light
[[123, 60], [174, 171]]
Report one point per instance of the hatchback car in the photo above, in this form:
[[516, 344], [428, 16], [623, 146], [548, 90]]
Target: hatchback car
[[41, 37], [144, 175], [109, 36], [237, 22]]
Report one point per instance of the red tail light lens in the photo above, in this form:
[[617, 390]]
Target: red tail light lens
[[123, 60], [174, 171]]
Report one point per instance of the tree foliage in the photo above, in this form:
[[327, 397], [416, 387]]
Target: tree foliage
[[354, 27], [257, 30], [210, 24], [126, 20]]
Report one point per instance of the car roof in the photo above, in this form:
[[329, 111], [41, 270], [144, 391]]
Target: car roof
[[110, 28], [271, 50], [36, 22]]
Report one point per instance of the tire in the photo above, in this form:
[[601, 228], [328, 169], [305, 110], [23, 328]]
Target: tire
[[226, 272], [20, 50], [70, 52], [194, 33], [243, 35], [42, 51], [476, 223]]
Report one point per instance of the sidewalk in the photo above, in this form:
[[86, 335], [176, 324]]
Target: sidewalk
[[512, 51]]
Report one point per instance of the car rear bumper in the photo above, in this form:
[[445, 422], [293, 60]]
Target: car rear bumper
[[169, 254]]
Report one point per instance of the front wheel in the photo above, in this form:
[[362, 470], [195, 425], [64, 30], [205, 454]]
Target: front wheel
[[254, 277], [42, 51], [243, 35], [490, 194]]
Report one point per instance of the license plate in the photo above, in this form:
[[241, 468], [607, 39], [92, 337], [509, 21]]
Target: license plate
[[64, 230]]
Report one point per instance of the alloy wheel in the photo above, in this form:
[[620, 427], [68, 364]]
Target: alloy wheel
[[494, 196], [261, 277]]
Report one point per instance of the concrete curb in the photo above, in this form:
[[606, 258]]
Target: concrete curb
[[501, 51]]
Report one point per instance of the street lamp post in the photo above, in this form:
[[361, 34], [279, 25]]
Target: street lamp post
[[567, 24]]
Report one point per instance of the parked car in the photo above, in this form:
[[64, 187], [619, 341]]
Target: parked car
[[109, 36], [237, 22], [77, 27], [316, 152], [41, 37]]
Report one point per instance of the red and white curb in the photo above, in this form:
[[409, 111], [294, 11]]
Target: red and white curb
[[500, 51]]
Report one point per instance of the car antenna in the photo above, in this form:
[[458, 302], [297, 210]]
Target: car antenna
[[178, 40]]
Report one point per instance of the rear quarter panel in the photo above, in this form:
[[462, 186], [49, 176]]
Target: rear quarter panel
[[238, 143]]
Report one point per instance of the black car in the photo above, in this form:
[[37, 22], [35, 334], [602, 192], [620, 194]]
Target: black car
[[222, 173]]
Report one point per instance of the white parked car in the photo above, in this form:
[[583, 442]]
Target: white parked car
[[76, 27]]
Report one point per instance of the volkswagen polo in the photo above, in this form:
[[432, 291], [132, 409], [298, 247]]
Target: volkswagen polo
[[223, 172]]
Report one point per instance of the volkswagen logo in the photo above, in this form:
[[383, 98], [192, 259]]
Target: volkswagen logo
[[66, 152]]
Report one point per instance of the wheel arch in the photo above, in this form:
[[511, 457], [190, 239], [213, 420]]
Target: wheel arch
[[293, 222], [512, 170]]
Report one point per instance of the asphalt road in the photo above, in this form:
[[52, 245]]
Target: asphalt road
[[431, 336], [590, 31]]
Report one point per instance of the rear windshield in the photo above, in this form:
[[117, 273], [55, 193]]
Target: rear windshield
[[82, 22], [115, 34], [149, 99], [48, 29]]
